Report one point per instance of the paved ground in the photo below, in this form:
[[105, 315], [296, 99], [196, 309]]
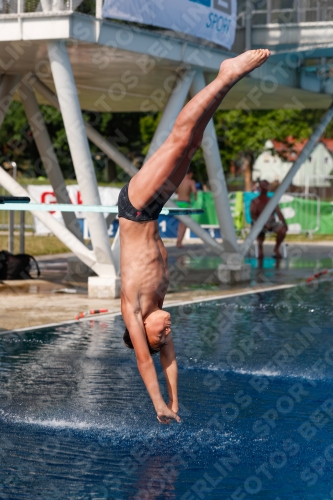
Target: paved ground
[[192, 275]]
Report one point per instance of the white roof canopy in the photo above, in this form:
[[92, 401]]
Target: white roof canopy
[[124, 68]]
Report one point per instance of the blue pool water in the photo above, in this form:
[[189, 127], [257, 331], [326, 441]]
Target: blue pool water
[[256, 392]]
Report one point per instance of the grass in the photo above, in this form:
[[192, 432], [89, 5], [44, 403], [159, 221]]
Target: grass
[[36, 245], [50, 245], [315, 237]]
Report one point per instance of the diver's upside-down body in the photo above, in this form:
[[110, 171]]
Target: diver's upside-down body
[[143, 261]]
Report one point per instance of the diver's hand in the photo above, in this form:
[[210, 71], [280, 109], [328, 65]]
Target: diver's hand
[[165, 416]]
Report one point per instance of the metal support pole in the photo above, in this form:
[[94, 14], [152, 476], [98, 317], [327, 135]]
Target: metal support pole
[[301, 11], [7, 88], [11, 218], [11, 231], [269, 12], [323, 12], [99, 8], [248, 25], [121, 160], [79, 147], [272, 204], [171, 111], [22, 229], [298, 12], [48, 156], [216, 177], [116, 251]]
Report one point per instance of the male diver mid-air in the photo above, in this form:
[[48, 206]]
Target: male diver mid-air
[[143, 261]]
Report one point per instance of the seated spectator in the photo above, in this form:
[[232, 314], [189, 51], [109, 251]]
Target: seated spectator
[[277, 226]]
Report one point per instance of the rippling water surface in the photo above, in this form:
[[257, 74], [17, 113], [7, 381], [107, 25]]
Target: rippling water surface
[[256, 393]]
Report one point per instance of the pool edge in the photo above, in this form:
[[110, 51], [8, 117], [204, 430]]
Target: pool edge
[[171, 304]]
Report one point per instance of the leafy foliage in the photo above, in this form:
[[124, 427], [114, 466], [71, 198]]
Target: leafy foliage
[[238, 132], [87, 7], [148, 125]]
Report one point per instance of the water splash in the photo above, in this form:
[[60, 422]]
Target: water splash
[[258, 372]]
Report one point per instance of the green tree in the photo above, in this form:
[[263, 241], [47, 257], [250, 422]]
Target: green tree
[[239, 132], [17, 143]]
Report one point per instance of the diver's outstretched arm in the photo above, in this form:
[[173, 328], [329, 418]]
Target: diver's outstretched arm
[[146, 365], [170, 369]]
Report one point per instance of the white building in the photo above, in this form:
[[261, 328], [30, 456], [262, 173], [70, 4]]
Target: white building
[[277, 158]]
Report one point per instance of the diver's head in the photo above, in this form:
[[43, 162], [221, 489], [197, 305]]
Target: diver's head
[[158, 327]]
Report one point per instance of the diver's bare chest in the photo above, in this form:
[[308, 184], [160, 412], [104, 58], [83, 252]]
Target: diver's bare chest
[[143, 256], [145, 270]]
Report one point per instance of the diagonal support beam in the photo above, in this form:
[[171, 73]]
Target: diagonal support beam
[[109, 149], [48, 156], [171, 111], [216, 176], [80, 152], [272, 204]]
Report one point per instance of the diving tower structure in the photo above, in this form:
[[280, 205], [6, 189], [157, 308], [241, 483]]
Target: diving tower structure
[[50, 53]]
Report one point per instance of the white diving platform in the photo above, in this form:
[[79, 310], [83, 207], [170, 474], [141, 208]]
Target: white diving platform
[[58, 207]]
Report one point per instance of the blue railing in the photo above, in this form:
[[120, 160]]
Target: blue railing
[[265, 12], [13, 8]]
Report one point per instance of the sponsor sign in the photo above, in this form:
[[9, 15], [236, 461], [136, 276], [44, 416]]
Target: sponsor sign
[[45, 194], [213, 20]]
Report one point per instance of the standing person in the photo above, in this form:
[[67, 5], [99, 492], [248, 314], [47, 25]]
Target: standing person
[[143, 259], [184, 191], [279, 227]]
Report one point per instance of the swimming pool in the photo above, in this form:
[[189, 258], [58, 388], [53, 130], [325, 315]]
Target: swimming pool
[[256, 393]]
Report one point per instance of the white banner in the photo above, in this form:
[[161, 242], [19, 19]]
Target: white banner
[[213, 20], [45, 194]]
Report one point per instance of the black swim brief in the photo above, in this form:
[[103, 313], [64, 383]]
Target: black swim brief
[[126, 209]]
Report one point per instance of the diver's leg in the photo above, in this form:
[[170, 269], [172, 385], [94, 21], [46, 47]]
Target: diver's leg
[[260, 240], [280, 236], [167, 167], [180, 234]]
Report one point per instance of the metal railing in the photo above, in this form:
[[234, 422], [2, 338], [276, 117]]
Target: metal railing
[[321, 185], [264, 12], [308, 217], [4, 217], [27, 8]]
